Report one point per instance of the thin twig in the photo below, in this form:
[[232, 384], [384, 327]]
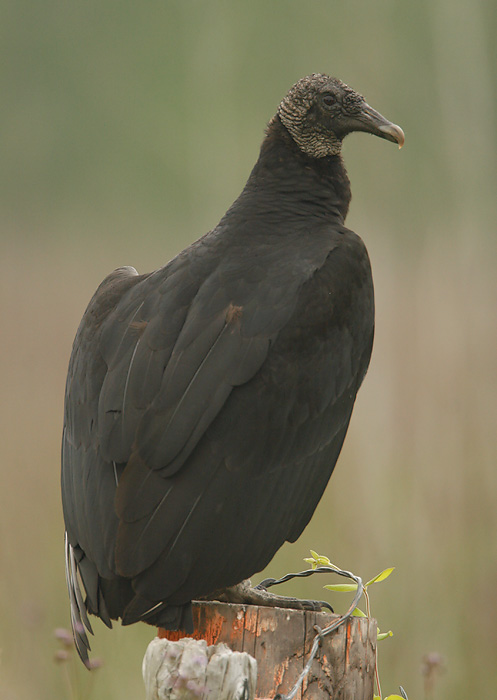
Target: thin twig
[[377, 672]]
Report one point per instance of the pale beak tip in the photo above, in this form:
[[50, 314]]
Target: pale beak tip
[[394, 132], [400, 136]]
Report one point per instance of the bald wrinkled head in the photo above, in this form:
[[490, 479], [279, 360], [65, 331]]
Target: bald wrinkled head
[[319, 111]]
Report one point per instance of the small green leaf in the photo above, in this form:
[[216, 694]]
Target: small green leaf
[[324, 561], [381, 576], [320, 560], [312, 562], [384, 635], [357, 612], [342, 587]]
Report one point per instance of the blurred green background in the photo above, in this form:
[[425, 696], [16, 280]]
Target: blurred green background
[[126, 130]]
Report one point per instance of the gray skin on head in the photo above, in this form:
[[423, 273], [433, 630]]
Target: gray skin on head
[[319, 111]]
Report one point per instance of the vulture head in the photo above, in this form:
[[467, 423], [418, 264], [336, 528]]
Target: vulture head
[[320, 111]]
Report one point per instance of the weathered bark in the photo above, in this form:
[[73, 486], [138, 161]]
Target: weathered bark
[[190, 670], [280, 640]]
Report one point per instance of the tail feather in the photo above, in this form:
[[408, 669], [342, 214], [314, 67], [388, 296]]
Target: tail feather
[[92, 584], [112, 599], [79, 617]]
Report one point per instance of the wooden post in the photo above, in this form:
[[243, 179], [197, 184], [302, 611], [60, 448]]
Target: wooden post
[[281, 639]]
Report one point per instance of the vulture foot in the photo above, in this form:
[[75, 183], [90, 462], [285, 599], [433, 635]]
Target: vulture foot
[[243, 593]]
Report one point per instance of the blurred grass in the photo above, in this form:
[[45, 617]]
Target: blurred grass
[[126, 132]]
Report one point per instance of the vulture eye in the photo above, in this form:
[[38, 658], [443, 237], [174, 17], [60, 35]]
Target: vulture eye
[[328, 100]]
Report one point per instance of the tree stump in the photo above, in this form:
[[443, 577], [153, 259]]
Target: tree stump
[[281, 639]]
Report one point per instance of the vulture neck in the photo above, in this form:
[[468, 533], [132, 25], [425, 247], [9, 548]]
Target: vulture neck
[[290, 182]]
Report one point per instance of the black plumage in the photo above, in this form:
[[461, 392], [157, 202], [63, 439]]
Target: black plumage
[[207, 402]]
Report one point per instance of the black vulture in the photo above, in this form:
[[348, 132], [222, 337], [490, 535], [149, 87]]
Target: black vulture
[[207, 402]]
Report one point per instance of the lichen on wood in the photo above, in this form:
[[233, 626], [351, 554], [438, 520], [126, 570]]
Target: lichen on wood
[[191, 670]]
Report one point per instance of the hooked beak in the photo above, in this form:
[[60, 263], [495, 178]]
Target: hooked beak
[[372, 122]]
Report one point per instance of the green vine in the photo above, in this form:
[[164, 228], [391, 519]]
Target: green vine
[[317, 560]]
